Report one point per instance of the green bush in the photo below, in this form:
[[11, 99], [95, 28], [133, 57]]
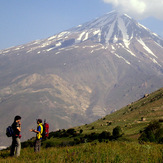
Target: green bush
[[159, 136], [71, 131], [92, 128], [105, 135], [49, 143], [152, 133], [26, 144], [92, 136], [117, 132], [81, 131]]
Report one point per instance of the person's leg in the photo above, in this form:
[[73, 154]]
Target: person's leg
[[36, 145], [12, 150], [18, 147], [39, 145]]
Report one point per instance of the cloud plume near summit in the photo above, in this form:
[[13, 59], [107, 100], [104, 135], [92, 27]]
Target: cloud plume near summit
[[139, 9]]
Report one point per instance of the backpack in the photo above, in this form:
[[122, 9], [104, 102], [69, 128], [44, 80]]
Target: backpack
[[9, 131], [45, 130]]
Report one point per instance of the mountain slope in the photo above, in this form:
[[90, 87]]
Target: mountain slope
[[81, 74], [131, 118]]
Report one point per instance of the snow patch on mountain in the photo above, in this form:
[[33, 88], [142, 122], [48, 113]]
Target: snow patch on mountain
[[58, 44], [130, 52], [6, 51], [52, 38], [80, 36], [49, 49], [146, 47], [97, 32], [122, 58], [154, 61], [63, 34], [102, 47], [86, 36], [112, 47], [127, 16], [123, 30], [110, 33], [142, 26]]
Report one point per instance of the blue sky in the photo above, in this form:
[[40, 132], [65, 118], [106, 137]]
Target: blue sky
[[23, 21]]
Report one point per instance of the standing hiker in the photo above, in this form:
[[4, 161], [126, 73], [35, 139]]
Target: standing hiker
[[39, 131], [16, 144]]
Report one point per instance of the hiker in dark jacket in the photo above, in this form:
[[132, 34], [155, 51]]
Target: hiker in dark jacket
[[39, 131], [16, 144]]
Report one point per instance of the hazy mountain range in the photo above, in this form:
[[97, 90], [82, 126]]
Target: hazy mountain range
[[81, 74]]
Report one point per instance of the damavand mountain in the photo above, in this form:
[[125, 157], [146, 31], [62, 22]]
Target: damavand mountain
[[79, 75]]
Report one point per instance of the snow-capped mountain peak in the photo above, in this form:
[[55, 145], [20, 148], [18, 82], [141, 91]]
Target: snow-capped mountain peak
[[113, 27], [110, 31]]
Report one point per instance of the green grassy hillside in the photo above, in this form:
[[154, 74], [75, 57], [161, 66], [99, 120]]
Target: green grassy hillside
[[74, 145], [132, 118]]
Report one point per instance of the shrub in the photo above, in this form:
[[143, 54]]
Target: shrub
[[105, 135], [49, 143], [71, 131], [92, 128], [77, 141], [159, 136], [152, 133], [117, 132], [27, 144], [81, 131], [93, 136]]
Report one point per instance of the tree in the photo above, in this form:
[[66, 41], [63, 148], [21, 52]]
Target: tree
[[152, 133], [117, 132], [81, 131]]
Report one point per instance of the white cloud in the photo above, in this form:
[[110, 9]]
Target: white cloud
[[139, 8]]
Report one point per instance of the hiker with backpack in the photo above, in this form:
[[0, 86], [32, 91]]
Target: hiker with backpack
[[16, 144], [39, 131]]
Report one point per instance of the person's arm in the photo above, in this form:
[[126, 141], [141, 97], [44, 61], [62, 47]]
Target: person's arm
[[36, 131], [19, 127], [33, 130]]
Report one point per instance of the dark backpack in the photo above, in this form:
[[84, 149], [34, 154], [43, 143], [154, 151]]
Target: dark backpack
[[9, 131], [45, 130]]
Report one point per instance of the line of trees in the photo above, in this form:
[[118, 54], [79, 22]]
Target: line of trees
[[152, 133], [78, 137]]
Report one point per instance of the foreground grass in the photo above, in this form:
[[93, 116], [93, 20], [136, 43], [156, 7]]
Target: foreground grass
[[110, 152]]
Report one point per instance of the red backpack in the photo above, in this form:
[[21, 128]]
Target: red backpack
[[45, 130]]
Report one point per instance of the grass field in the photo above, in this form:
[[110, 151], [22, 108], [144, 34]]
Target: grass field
[[106, 152]]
